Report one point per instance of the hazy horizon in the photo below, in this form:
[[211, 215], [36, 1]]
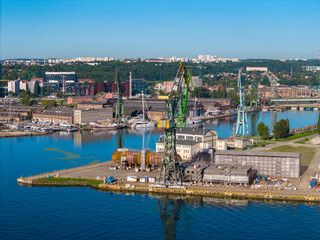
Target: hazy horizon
[[244, 29]]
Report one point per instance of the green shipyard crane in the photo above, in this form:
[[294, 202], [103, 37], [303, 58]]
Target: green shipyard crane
[[183, 100], [119, 115], [170, 172]]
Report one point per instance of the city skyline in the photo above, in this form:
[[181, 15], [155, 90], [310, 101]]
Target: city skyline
[[143, 29]]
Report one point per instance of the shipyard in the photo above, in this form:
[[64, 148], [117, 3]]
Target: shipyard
[[159, 119], [189, 157]]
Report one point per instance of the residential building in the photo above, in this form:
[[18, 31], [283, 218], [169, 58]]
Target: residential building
[[14, 86], [31, 85], [24, 85]]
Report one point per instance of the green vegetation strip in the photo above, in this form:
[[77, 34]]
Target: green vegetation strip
[[307, 153], [57, 181], [303, 141], [299, 135]]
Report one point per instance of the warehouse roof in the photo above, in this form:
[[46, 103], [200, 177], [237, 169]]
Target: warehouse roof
[[258, 153], [182, 142], [194, 131]]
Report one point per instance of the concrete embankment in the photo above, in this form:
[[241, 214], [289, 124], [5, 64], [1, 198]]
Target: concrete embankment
[[20, 134], [243, 193], [95, 171]]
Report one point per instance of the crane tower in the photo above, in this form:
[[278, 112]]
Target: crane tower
[[242, 120], [170, 172]]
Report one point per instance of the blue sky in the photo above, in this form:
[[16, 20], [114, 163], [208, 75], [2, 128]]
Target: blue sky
[[150, 28]]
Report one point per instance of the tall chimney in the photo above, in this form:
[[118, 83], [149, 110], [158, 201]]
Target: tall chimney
[[130, 85]]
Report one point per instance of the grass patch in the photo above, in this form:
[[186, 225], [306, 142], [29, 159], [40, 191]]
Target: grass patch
[[303, 141], [58, 181], [299, 135], [307, 153]]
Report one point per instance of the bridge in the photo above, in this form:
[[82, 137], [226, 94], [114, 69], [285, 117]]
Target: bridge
[[295, 101]]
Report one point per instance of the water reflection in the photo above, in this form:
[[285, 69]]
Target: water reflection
[[224, 127]]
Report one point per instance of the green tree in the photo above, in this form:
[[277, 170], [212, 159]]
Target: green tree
[[214, 94], [36, 89], [60, 94], [42, 91], [281, 129], [24, 94], [48, 91], [162, 93], [48, 103], [201, 92], [318, 127], [263, 131]]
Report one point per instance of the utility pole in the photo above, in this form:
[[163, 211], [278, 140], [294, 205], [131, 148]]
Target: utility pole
[[119, 115]]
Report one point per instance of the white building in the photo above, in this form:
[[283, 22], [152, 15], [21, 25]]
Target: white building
[[24, 85], [31, 85], [14, 86], [191, 141]]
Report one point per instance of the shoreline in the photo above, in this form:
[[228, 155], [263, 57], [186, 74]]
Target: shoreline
[[195, 191]]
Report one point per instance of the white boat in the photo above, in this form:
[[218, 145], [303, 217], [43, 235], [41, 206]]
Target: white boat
[[66, 125], [194, 121], [111, 126], [213, 112], [264, 110], [142, 123]]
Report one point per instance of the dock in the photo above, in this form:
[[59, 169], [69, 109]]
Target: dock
[[104, 171]]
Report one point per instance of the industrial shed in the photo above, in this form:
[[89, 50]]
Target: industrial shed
[[273, 164]]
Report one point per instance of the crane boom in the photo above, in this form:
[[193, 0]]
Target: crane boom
[[170, 172]]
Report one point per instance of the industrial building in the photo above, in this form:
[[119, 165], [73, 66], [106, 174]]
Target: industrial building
[[233, 174], [91, 89], [82, 116], [208, 173], [94, 104], [55, 115], [273, 164], [61, 81]]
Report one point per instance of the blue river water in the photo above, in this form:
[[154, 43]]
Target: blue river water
[[85, 213]]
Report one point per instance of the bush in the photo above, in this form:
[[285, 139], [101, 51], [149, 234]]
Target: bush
[[48, 103], [281, 129], [263, 131]]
